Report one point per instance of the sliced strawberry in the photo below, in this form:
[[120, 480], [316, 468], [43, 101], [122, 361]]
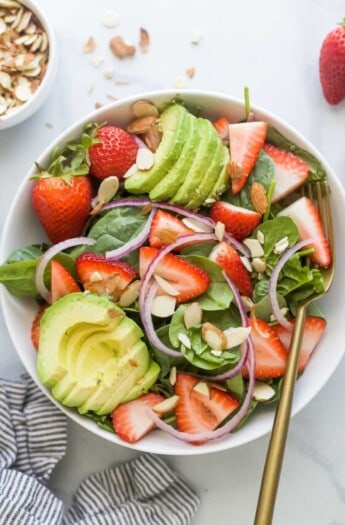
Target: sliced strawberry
[[196, 412], [62, 282], [270, 354], [131, 421], [165, 229], [227, 258], [246, 141], [102, 276], [238, 221], [222, 128], [35, 327], [187, 278], [290, 171], [313, 330], [307, 219]]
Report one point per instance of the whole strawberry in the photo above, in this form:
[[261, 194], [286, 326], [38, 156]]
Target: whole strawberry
[[114, 154], [332, 65], [62, 205]]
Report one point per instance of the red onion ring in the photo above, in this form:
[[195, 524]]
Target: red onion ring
[[133, 244], [180, 211], [272, 285], [48, 255]]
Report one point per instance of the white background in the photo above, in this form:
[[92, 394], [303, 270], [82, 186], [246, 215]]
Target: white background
[[272, 47]]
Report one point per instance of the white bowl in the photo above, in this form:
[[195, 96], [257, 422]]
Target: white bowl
[[22, 228], [34, 103]]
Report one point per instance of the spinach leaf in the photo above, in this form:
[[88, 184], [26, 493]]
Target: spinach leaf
[[236, 386], [263, 173], [17, 274], [203, 249], [113, 229], [102, 421], [263, 308], [316, 170], [218, 296]]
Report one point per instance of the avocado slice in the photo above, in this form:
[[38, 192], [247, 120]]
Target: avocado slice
[[169, 185], [57, 323], [109, 394], [204, 155], [174, 124], [144, 383], [209, 179], [90, 352], [223, 181]]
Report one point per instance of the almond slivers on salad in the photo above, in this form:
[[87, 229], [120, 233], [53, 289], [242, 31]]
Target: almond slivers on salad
[[178, 249]]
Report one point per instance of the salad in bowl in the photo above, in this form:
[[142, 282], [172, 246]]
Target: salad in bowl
[[165, 247]]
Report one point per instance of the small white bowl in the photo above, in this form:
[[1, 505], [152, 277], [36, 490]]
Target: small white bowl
[[22, 228], [33, 104]]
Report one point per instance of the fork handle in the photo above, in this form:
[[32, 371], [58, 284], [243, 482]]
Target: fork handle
[[275, 452]]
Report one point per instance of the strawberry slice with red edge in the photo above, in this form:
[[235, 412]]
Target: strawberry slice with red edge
[[222, 128], [229, 260], [306, 216], [246, 141], [270, 354], [313, 330], [35, 327], [165, 229], [131, 420], [187, 278], [290, 171], [103, 276], [62, 282], [239, 222], [196, 412]]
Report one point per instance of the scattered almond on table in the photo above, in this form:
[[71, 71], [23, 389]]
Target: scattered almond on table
[[24, 52]]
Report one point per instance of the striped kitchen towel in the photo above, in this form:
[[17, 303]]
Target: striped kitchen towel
[[33, 440]]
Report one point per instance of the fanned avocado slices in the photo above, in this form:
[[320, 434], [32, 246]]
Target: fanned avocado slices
[[174, 124], [170, 184]]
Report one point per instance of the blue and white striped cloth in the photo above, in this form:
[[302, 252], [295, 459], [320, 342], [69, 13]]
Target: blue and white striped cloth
[[33, 440]]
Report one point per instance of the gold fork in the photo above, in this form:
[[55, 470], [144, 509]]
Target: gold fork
[[319, 193]]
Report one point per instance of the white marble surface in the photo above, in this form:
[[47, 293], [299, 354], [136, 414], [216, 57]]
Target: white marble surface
[[271, 46]]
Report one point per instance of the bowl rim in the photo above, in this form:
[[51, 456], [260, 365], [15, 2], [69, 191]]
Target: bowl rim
[[51, 64], [167, 94]]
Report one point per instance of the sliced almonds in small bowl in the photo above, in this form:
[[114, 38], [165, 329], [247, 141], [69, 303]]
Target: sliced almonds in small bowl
[[24, 53]]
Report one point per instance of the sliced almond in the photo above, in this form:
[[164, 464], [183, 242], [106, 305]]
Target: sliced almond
[[130, 295], [246, 263], [131, 171], [108, 189], [9, 4], [90, 45], [24, 21], [180, 82], [111, 19], [145, 159], [213, 336], [236, 336], [255, 248], [262, 391], [173, 375], [190, 72], [234, 171], [5, 80], [141, 125], [184, 339], [163, 306], [23, 92], [281, 245], [259, 265], [196, 226], [144, 108], [120, 48], [192, 315], [144, 40], [3, 105], [96, 277], [31, 28], [44, 43], [166, 286], [108, 73], [96, 60], [203, 388], [220, 231], [167, 405], [196, 38], [258, 197], [152, 138], [260, 237]]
